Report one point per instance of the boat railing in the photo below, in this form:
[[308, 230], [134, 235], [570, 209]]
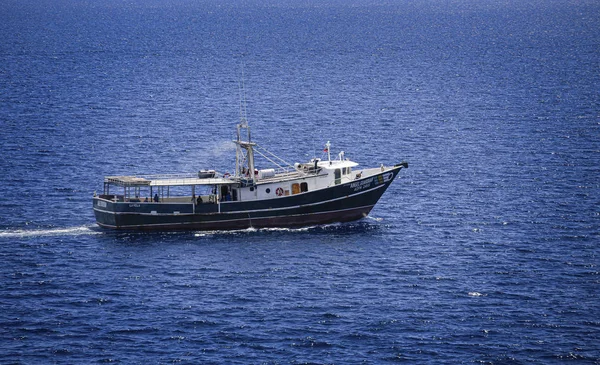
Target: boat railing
[[184, 176], [169, 176], [141, 180], [341, 180], [207, 199], [112, 197], [285, 170], [204, 199], [165, 180], [282, 176]]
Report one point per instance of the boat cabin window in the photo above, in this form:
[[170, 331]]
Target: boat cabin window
[[304, 187], [228, 194], [295, 188], [299, 188], [338, 176]]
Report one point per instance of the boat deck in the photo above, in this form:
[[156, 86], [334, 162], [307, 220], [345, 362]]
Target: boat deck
[[192, 179], [166, 180]]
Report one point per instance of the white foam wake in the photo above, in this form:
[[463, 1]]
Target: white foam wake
[[252, 230], [67, 231], [376, 219]]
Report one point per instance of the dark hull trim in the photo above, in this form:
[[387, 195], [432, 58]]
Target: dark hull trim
[[297, 220]]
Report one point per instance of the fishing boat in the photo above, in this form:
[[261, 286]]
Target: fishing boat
[[319, 191]]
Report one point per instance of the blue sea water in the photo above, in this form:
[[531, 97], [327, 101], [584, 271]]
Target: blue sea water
[[486, 250]]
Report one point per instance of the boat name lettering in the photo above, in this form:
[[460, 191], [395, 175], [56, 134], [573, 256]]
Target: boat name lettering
[[359, 185], [102, 204], [134, 205]]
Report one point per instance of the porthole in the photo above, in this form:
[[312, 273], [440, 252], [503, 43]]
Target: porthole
[[268, 190]]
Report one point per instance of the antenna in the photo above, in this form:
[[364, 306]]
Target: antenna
[[243, 111]]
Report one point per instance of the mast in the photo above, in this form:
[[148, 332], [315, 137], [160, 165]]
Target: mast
[[241, 145], [240, 157]]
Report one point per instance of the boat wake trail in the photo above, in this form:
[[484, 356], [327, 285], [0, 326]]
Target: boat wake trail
[[66, 231], [252, 230], [316, 229]]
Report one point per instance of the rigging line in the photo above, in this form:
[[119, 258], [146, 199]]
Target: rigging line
[[243, 158], [274, 155], [271, 161]]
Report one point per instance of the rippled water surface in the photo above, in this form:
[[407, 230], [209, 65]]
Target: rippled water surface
[[484, 251]]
